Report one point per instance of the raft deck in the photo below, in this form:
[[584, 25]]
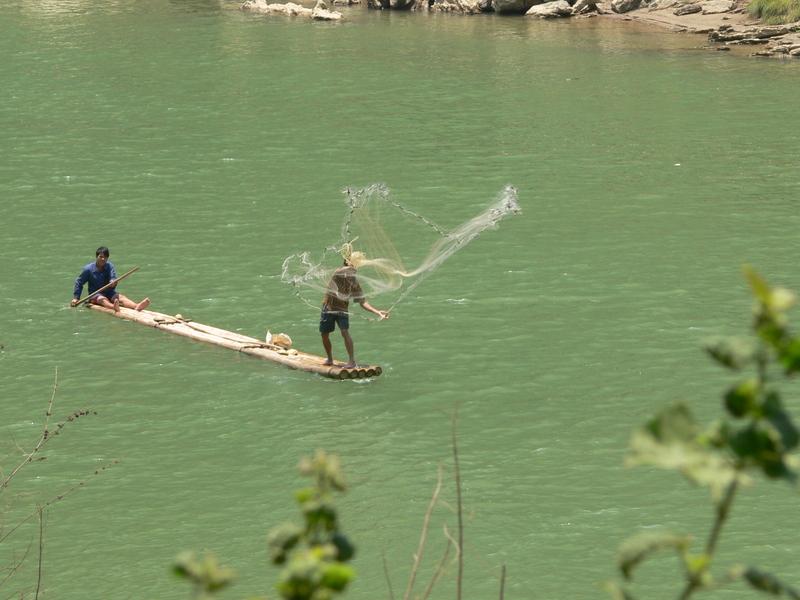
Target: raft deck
[[288, 357]]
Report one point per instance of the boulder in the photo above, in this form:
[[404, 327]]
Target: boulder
[[550, 10], [469, 7], [713, 7], [396, 4], [513, 6], [290, 8], [623, 6], [582, 6], [662, 4], [687, 9]]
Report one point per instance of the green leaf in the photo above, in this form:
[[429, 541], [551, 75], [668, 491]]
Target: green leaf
[[344, 548], [672, 440], [758, 285], [755, 442], [759, 444], [743, 399], [336, 576], [789, 356], [185, 565], [780, 420], [697, 565], [777, 299], [282, 540], [638, 548]]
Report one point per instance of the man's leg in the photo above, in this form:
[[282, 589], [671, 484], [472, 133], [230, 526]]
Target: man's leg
[[348, 343], [103, 301], [326, 343], [128, 303]]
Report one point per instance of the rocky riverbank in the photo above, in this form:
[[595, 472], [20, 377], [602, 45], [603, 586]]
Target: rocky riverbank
[[721, 23]]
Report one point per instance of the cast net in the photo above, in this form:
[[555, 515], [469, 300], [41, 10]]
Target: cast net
[[380, 237]]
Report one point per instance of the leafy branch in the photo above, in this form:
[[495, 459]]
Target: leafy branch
[[758, 436]]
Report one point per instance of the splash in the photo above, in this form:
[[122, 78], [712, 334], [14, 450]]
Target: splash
[[374, 227]]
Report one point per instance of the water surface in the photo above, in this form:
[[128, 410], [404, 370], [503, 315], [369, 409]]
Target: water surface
[[205, 144]]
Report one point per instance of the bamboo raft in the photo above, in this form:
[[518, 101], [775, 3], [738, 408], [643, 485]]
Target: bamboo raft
[[288, 357]]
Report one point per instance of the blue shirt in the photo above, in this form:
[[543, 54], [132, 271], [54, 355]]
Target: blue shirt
[[96, 278]]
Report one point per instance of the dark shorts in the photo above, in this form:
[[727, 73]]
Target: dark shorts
[[107, 294], [328, 320]]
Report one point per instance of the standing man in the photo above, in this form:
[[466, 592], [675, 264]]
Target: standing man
[[98, 274], [342, 288]]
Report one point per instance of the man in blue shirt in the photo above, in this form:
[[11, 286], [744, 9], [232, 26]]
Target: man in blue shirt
[[98, 274]]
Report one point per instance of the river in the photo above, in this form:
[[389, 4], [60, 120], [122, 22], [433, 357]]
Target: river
[[205, 144]]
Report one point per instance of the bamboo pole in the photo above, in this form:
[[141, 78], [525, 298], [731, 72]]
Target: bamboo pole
[[105, 287]]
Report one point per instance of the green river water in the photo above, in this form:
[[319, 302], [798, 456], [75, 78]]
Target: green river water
[[205, 144]]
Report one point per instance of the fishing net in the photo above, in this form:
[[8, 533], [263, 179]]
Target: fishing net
[[379, 237]]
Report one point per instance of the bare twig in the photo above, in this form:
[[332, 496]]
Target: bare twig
[[41, 552], [46, 436], [388, 579], [421, 549], [59, 497], [503, 582], [459, 580], [439, 568], [15, 566]]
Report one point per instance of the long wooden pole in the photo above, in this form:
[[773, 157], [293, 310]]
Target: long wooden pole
[[105, 287]]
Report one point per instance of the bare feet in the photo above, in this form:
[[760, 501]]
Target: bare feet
[[143, 304], [349, 365], [327, 363], [116, 304]]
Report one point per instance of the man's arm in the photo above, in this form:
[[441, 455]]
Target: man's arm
[[383, 314], [112, 276], [79, 283]]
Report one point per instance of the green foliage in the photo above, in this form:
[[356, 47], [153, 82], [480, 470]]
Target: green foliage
[[206, 575], [775, 12], [313, 555], [758, 436]]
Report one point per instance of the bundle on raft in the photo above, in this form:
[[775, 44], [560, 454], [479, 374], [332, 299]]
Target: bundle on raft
[[288, 357]]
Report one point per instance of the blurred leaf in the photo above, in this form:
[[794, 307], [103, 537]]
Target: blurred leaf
[[755, 442], [768, 583], [319, 515], [759, 444], [207, 575], [773, 298], [672, 440], [781, 299], [185, 565], [789, 356], [344, 548], [616, 592], [780, 420], [305, 494], [696, 564], [638, 548], [758, 285], [734, 353], [336, 576], [743, 399], [282, 540]]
